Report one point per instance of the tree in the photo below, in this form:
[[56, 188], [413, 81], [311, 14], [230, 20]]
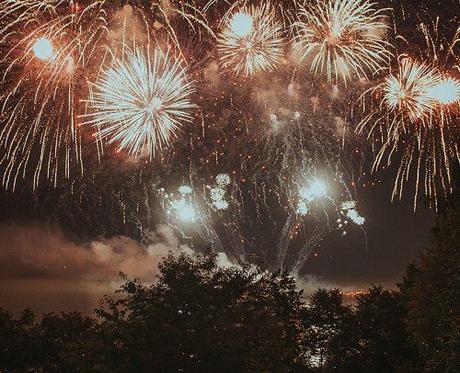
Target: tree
[[69, 342], [432, 287], [201, 318], [19, 344], [383, 341], [327, 324]]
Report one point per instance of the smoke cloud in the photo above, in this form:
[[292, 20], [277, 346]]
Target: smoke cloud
[[42, 269]]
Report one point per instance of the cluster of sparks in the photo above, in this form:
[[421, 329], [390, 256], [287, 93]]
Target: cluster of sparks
[[69, 69], [218, 191]]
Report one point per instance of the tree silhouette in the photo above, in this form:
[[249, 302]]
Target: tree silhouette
[[432, 287], [198, 317]]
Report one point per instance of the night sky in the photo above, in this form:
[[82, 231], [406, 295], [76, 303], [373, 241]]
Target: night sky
[[64, 242]]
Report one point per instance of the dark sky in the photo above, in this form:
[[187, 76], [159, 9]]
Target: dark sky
[[393, 237]]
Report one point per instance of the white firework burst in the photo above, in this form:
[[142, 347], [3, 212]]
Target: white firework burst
[[141, 101], [252, 41], [341, 38]]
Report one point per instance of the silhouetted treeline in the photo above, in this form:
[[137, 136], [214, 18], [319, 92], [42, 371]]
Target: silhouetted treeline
[[198, 317]]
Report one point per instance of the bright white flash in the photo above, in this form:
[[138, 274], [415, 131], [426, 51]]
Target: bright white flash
[[446, 92], [242, 24], [184, 211], [318, 189], [43, 49]]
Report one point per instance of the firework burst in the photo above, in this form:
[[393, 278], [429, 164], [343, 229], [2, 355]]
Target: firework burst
[[415, 121], [411, 92], [341, 38], [45, 57], [141, 101], [252, 41]]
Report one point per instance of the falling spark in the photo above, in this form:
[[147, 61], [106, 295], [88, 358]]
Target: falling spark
[[141, 101]]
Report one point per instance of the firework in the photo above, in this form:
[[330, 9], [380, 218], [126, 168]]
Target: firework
[[415, 122], [141, 101], [341, 38], [47, 49], [410, 92], [251, 41]]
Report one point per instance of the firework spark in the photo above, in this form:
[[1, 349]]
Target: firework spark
[[341, 38], [141, 101], [251, 41]]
